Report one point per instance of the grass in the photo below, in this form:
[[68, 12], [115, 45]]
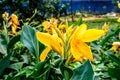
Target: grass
[[98, 23]]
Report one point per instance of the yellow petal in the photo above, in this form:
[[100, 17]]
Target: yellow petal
[[76, 54], [69, 30], [44, 53], [45, 24], [14, 28], [91, 35], [81, 50], [14, 19], [60, 34], [80, 30], [118, 20], [105, 27], [49, 41], [62, 27], [118, 5], [114, 47]]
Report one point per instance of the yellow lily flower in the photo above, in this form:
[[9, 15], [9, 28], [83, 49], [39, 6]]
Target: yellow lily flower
[[70, 44], [105, 27], [80, 50], [14, 23], [115, 46]]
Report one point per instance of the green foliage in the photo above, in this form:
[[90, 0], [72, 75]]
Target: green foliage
[[113, 57], [84, 72], [25, 9], [28, 71], [12, 42], [66, 72], [19, 54], [28, 37], [114, 72], [80, 21], [111, 34], [3, 44], [4, 63]]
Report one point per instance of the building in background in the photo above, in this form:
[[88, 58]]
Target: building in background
[[92, 6]]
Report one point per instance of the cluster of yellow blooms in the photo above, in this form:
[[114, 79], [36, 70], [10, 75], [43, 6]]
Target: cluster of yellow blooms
[[68, 42], [13, 21]]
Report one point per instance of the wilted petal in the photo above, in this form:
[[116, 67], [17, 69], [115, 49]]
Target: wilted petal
[[14, 28], [91, 35], [44, 53], [49, 41], [14, 19], [115, 46]]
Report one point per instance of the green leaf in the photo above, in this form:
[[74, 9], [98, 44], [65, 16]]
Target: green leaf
[[79, 22], [84, 72], [25, 58], [25, 71], [106, 38], [12, 41], [4, 63], [16, 66], [28, 37], [112, 57], [114, 72], [66, 72], [39, 69], [3, 44]]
